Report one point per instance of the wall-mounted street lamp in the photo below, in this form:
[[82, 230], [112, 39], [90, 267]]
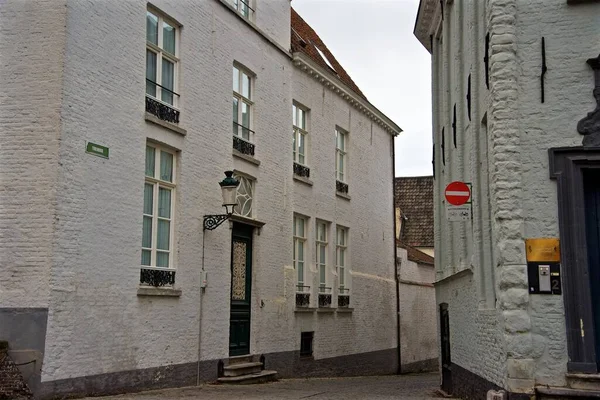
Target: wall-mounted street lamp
[[229, 190]]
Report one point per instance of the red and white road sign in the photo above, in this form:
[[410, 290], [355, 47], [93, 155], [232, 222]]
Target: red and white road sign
[[457, 193]]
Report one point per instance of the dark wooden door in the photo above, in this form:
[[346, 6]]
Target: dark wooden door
[[445, 348], [591, 182], [241, 285]]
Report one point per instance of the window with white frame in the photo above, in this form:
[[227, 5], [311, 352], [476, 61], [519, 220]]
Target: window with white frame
[[300, 134], [341, 255], [159, 193], [244, 196], [341, 155], [243, 7], [162, 51], [242, 104], [321, 245], [299, 249]]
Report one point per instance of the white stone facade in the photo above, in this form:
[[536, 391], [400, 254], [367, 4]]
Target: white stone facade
[[71, 222], [498, 330]]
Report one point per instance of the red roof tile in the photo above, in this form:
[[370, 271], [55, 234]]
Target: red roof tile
[[306, 40], [414, 197]]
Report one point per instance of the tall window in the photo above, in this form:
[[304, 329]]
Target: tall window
[[159, 190], [162, 49], [300, 133], [299, 248], [341, 250], [242, 104], [322, 254], [341, 156]]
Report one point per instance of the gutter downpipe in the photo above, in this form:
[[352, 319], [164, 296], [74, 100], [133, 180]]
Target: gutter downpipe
[[396, 271]]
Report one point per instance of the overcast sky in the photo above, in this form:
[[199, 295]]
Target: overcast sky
[[373, 41]]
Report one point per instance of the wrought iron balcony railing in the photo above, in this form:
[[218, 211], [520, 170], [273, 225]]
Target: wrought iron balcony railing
[[157, 276], [302, 296], [341, 187], [344, 297], [243, 146], [162, 110], [301, 170]]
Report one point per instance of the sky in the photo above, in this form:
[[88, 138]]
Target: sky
[[374, 42]]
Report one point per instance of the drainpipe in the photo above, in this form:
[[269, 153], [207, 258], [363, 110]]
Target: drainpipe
[[396, 272]]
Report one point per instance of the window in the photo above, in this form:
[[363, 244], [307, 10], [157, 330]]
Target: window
[[299, 249], [162, 49], [159, 190], [306, 343], [300, 133], [243, 7], [321, 245], [244, 197], [341, 156], [341, 255], [242, 103]]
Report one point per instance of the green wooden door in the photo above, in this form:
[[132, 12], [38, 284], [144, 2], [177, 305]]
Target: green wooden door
[[241, 285], [592, 221]]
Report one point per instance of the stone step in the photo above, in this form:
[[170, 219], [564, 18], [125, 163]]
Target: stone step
[[261, 377], [584, 381], [240, 359], [246, 368], [555, 393]]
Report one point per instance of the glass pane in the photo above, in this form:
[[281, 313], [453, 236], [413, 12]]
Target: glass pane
[[294, 115], [164, 203], [342, 259], [166, 166], [295, 244], [150, 159], [301, 149], [162, 238], [147, 232], [341, 166], [245, 121], [322, 254], [236, 106], [245, 86], [300, 251], [294, 231], [244, 10], [302, 118], [148, 194], [342, 277], [300, 227], [151, 28], [300, 273], [321, 228], [162, 259], [294, 144], [236, 80], [322, 275], [146, 257], [168, 80], [168, 38], [150, 73]]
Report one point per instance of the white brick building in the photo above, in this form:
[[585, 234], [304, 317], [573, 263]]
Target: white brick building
[[510, 85], [146, 89]]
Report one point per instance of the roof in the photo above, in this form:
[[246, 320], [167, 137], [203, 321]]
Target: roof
[[428, 12], [414, 197], [305, 40], [416, 255]]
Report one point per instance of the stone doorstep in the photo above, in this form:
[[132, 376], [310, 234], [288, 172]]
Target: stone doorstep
[[261, 377], [584, 381], [565, 393], [239, 369], [248, 358]]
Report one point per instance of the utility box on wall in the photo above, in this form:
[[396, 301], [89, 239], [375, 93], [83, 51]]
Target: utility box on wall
[[543, 265]]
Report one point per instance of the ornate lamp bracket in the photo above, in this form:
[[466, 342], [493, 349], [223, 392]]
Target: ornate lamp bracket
[[213, 221], [590, 125]]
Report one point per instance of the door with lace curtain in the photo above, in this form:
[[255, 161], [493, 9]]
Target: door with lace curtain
[[241, 285]]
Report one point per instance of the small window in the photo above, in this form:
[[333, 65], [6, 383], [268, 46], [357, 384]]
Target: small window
[[341, 256], [245, 197], [323, 56], [306, 344], [300, 134], [321, 245], [341, 155], [243, 7]]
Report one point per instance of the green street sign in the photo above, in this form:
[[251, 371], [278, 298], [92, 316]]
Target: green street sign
[[96, 149]]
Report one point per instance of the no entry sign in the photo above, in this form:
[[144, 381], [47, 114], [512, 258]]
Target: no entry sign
[[457, 193]]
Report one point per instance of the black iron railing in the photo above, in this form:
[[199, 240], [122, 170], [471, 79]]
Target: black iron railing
[[341, 187], [154, 276], [162, 110], [301, 170], [343, 297], [302, 296], [243, 146]]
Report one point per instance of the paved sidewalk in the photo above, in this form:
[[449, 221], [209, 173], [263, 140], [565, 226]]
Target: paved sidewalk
[[408, 387]]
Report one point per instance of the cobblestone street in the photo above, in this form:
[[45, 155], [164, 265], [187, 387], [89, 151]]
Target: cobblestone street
[[408, 387]]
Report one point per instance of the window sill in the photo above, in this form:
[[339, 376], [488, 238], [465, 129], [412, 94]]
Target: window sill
[[344, 196], [245, 157], [302, 179], [345, 310], [304, 309], [327, 310], [163, 292], [172, 127]]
